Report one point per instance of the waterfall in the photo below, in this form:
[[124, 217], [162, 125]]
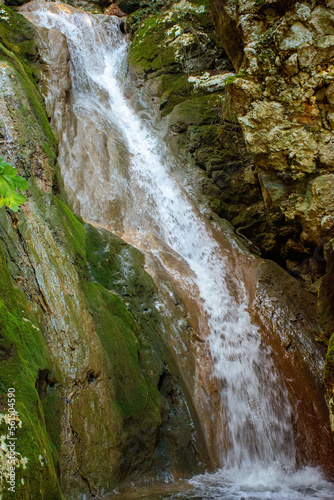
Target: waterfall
[[117, 175]]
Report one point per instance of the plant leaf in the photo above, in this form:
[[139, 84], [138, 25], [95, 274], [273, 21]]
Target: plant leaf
[[10, 181]]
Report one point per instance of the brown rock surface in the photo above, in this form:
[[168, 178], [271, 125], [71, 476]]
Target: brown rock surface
[[114, 10], [283, 99]]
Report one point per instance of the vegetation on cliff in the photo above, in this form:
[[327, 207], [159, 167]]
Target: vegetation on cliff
[[24, 356]]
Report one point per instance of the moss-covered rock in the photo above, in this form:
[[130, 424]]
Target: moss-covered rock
[[19, 58], [18, 36], [75, 236], [26, 362], [145, 50], [176, 41], [131, 330], [24, 355], [190, 89]]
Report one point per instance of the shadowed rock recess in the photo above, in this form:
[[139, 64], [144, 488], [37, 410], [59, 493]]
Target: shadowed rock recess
[[243, 92]]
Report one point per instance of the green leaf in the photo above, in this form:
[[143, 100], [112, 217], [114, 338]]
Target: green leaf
[[10, 181]]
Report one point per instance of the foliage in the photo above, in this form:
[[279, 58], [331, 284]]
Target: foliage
[[10, 181], [231, 79]]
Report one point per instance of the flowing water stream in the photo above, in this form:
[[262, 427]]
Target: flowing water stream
[[117, 175]]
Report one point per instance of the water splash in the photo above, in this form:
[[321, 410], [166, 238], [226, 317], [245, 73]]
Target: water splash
[[261, 483]]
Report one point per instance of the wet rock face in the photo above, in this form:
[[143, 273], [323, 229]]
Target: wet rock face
[[287, 311], [277, 105], [283, 99], [215, 119]]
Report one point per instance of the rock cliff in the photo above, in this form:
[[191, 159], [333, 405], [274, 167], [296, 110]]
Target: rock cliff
[[282, 52], [258, 135], [246, 108]]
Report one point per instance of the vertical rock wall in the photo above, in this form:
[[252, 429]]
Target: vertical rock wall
[[258, 136], [283, 55]]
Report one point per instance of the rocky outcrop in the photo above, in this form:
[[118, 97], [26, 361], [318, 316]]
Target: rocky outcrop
[[282, 208], [282, 94], [280, 197], [282, 97]]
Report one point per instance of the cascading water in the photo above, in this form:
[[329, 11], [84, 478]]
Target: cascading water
[[132, 192]]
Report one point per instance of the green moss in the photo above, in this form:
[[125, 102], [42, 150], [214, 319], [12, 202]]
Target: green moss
[[74, 232], [110, 260], [329, 366], [151, 48], [145, 49], [18, 49], [135, 20], [17, 34], [23, 353], [175, 89], [119, 268], [45, 136], [158, 46], [198, 111], [116, 326]]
